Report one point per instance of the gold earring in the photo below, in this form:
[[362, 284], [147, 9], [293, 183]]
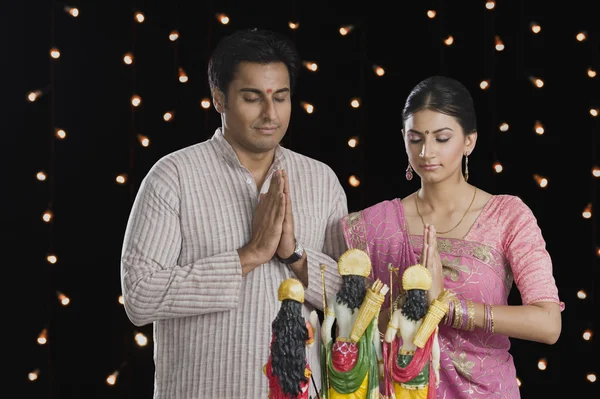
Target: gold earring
[[409, 173], [467, 167]]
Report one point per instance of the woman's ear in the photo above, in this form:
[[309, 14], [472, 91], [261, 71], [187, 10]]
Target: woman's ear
[[470, 141]]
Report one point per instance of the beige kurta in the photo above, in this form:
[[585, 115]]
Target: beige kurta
[[181, 271]]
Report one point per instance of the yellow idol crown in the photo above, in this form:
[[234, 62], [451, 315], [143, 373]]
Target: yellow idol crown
[[354, 262], [416, 277], [291, 289]]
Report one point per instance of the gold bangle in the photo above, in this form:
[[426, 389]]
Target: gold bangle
[[471, 315], [458, 314]]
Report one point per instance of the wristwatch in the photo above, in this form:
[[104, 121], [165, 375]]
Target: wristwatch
[[295, 256]]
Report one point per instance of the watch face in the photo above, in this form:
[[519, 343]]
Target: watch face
[[299, 250]]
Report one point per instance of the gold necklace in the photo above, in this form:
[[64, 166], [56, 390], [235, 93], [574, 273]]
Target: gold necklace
[[459, 222]]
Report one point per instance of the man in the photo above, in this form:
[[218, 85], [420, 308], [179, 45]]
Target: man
[[217, 226]]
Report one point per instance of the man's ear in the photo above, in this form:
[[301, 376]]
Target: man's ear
[[218, 100]]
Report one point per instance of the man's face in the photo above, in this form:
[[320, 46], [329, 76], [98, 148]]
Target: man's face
[[258, 109]]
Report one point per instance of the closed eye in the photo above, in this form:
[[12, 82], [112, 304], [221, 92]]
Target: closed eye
[[415, 141]]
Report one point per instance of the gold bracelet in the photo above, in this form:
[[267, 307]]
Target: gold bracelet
[[458, 314], [471, 315]]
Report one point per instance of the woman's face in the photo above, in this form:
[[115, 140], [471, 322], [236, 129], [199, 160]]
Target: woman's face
[[435, 144]]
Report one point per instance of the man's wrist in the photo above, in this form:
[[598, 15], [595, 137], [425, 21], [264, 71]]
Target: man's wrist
[[294, 257]]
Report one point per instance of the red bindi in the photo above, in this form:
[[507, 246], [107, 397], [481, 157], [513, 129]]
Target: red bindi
[[269, 91]]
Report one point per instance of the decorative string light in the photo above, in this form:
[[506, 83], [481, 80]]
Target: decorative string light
[[379, 71], [538, 127], [183, 78], [139, 17], [60, 134], [307, 107], [542, 364], [223, 18], [34, 95], [33, 375], [136, 100], [144, 141], [344, 30], [141, 339], [112, 378], [587, 212], [540, 180], [121, 179], [535, 27], [353, 181], [499, 44], [311, 66], [63, 299], [47, 216], [537, 82], [42, 338], [72, 11], [128, 58]]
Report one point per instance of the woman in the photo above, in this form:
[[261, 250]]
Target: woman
[[473, 243]]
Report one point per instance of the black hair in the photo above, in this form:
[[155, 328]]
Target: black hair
[[353, 291], [445, 95], [288, 356], [415, 304], [250, 45]]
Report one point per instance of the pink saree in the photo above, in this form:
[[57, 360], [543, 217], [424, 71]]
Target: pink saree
[[504, 244]]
